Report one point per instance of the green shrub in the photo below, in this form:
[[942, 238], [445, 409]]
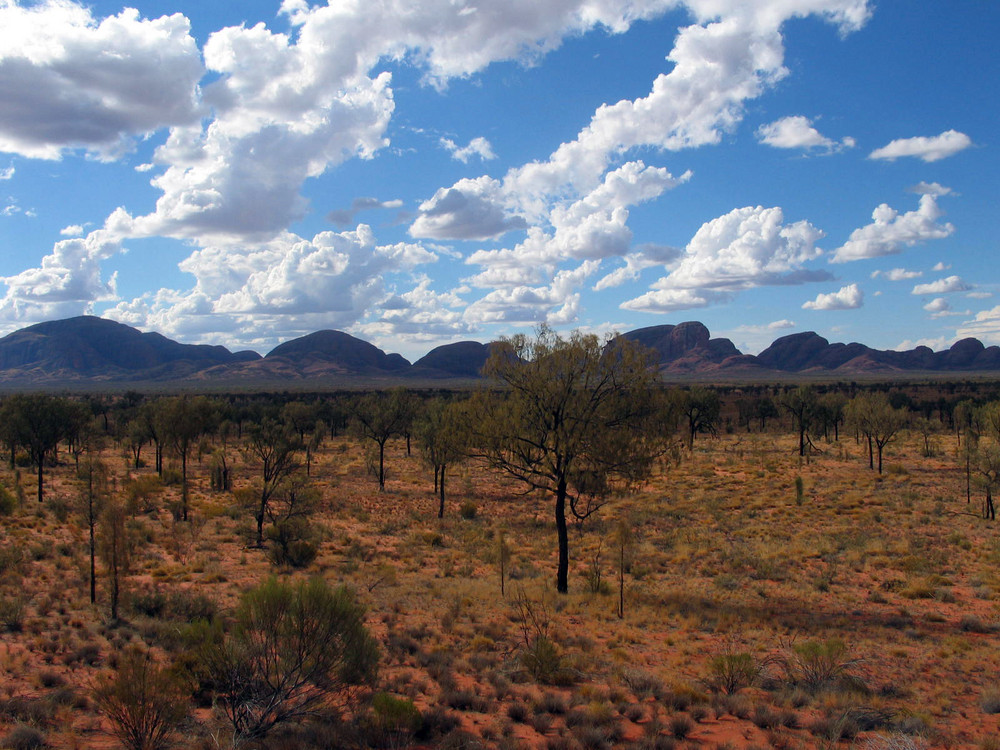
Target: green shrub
[[8, 501], [294, 647], [731, 671], [12, 612], [543, 661], [817, 665], [395, 719], [144, 702], [290, 544]]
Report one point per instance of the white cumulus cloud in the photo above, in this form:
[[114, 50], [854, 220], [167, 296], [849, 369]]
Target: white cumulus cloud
[[798, 132], [985, 326], [891, 231], [68, 280], [942, 286], [849, 297], [748, 247], [897, 274], [71, 81], [479, 147], [928, 149]]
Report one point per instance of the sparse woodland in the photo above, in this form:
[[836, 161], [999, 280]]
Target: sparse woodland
[[759, 567]]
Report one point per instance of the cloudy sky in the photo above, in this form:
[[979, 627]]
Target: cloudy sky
[[417, 172]]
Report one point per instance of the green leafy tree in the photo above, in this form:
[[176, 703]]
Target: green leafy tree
[[572, 420], [988, 464], [700, 408], [380, 416], [181, 421], [275, 445], [294, 648], [40, 422], [442, 434], [873, 416]]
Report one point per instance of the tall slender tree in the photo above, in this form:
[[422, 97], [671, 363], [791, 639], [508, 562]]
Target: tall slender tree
[[41, 421], [379, 417], [442, 435], [275, 445]]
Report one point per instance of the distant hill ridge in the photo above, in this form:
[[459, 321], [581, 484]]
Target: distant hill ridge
[[92, 349]]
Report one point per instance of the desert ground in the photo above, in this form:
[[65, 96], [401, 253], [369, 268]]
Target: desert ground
[[769, 601]]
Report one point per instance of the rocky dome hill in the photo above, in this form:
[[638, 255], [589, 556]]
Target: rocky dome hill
[[89, 349]]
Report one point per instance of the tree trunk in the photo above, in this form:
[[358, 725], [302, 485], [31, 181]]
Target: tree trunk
[[260, 521], [93, 557], [968, 477], [381, 466], [184, 485], [41, 466], [621, 581], [562, 572], [441, 490]]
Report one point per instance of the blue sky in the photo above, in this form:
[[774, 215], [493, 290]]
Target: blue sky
[[417, 173]]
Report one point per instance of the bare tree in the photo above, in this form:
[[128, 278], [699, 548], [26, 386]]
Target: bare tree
[[94, 479], [115, 546], [801, 403]]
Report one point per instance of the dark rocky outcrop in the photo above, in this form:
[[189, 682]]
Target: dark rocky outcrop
[[684, 346], [89, 347], [464, 359], [341, 350]]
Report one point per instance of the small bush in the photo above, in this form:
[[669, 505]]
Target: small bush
[[972, 624], [144, 702], [12, 612], [8, 501], [642, 684], [680, 726], [24, 737], [544, 662], [552, 703], [822, 664], [290, 544], [437, 722], [731, 671], [468, 510], [396, 719], [519, 712], [466, 700], [990, 701]]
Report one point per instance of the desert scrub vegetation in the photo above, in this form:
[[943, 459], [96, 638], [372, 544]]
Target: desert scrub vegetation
[[754, 616]]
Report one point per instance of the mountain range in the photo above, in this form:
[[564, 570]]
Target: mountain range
[[95, 350]]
